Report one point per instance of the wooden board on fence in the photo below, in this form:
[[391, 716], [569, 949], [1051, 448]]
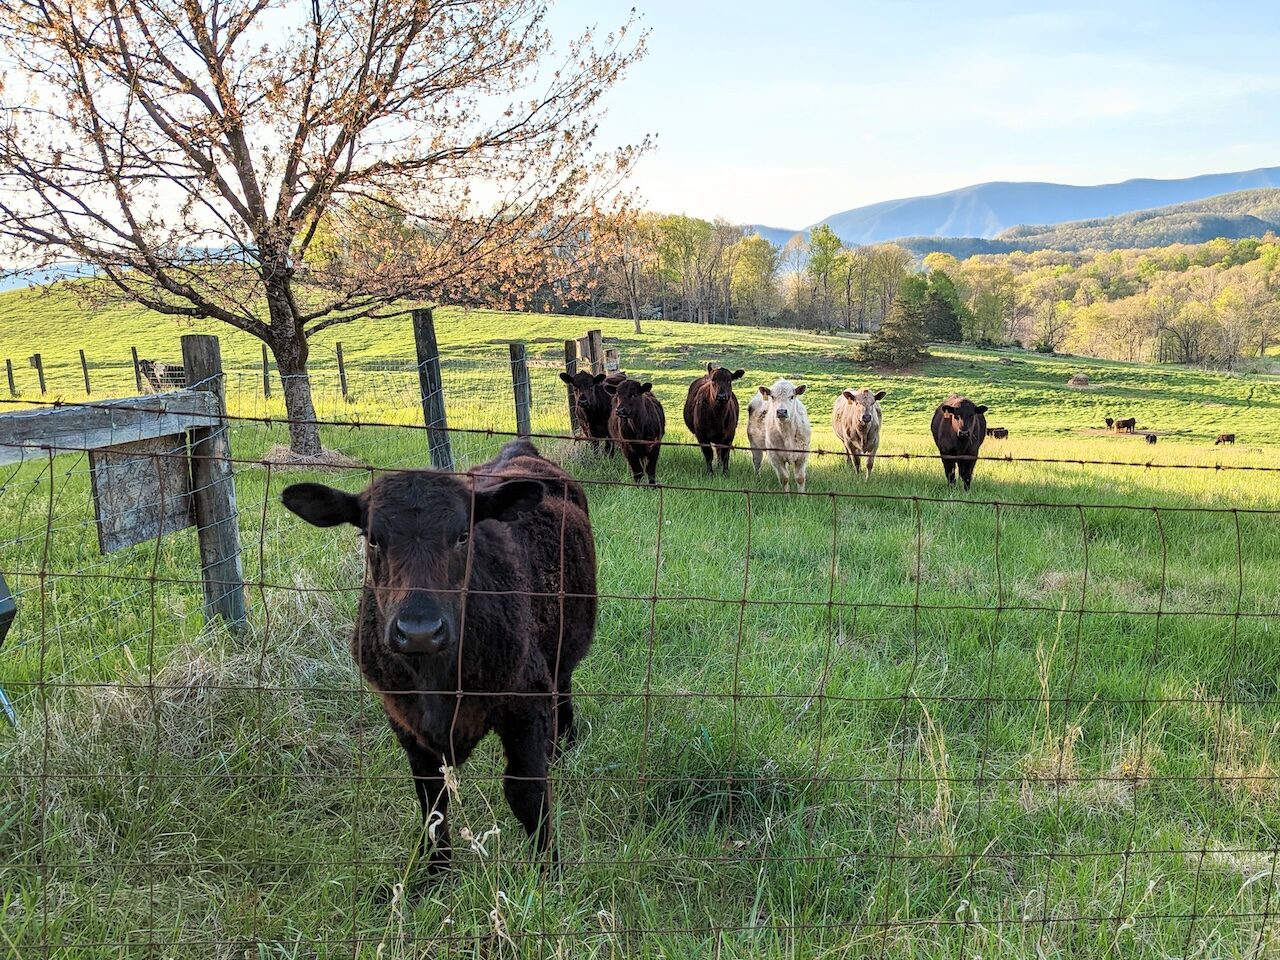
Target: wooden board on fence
[[141, 490]]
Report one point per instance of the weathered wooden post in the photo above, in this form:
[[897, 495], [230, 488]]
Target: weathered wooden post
[[595, 342], [213, 487], [266, 373], [84, 368], [520, 386], [8, 369], [342, 372], [612, 360], [137, 370], [424, 337], [39, 365], [571, 367]]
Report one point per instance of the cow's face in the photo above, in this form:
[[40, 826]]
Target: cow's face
[[784, 399], [586, 391], [866, 405], [962, 418], [628, 397], [722, 382], [418, 527]]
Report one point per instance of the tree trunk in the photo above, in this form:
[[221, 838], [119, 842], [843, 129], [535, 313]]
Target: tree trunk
[[291, 363]]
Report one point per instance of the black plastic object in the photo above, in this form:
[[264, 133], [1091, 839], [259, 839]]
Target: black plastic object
[[8, 609]]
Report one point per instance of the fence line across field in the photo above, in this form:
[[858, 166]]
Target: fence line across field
[[763, 716]]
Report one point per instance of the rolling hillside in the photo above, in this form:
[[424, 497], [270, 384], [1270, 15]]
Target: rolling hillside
[[986, 210]]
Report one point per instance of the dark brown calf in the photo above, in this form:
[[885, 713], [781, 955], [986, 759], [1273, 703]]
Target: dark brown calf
[[1128, 425], [637, 424], [1151, 438], [998, 433], [1225, 438], [711, 414], [591, 405], [479, 601], [959, 428]]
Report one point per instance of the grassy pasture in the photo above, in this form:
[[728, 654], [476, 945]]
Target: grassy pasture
[[1041, 717]]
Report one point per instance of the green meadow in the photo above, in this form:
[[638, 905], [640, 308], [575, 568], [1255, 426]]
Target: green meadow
[[886, 718]]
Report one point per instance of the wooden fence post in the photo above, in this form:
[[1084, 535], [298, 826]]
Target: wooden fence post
[[342, 372], [213, 488], [8, 368], [266, 373], [84, 368], [571, 367], [612, 360], [595, 341], [424, 337], [39, 365], [520, 385], [137, 370]]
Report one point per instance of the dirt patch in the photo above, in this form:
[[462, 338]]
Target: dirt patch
[[283, 457]]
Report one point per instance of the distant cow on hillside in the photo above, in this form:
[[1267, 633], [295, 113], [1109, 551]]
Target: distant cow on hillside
[[1127, 425], [856, 421], [998, 433], [637, 423], [1225, 438], [778, 428], [1151, 438], [959, 428], [711, 414]]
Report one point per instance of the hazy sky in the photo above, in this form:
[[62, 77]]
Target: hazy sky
[[786, 111]]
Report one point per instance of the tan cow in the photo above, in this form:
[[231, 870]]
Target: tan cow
[[778, 428], [856, 422]]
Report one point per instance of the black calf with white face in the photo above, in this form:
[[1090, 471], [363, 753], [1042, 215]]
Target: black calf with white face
[[418, 528]]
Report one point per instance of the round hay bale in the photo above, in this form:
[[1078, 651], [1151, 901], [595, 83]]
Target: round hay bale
[[1078, 380]]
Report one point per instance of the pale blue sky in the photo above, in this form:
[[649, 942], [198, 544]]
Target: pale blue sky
[[785, 112]]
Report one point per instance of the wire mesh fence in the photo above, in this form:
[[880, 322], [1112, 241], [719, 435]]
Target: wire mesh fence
[[862, 721]]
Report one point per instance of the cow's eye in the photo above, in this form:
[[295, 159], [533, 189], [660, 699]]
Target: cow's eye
[[463, 537]]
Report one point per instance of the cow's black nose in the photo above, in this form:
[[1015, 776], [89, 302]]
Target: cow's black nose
[[866, 419], [415, 635], [782, 414]]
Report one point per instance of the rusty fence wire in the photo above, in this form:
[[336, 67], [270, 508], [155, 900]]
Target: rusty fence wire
[[862, 721]]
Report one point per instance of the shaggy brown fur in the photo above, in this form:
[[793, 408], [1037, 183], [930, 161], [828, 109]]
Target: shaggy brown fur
[[637, 424], [591, 405], [959, 428]]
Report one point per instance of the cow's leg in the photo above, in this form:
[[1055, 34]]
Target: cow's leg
[[871, 462], [651, 468], [780, 468], [633, 458], [949, 467], [564, 734], [757, 455], [966, 472], [524, 739], [857, 462], [709, 454], [428, 783], [724, 459], [801, 467]]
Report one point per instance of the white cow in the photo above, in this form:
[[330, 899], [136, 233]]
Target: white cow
[[856, 422], [778, 427]]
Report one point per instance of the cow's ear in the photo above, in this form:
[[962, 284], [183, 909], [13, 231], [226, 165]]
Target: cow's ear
[[848, 395], [800, 389], [738, 374], [766, 392], [982, 409], [598, 378], [611, 389], [506, 501], [710, 369], [880, 395], [646, 387], [323, 506], [566, 378]]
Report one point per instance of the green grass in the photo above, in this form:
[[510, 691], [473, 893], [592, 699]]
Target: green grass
[[809, 756]]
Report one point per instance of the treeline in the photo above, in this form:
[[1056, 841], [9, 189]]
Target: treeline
[[646, 266], [1213, 304]]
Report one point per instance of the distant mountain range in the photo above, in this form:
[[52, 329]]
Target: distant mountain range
[[986, 210]]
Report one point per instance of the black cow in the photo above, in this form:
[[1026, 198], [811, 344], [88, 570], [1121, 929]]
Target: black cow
[[591, 405], [637, 424], [959, 428], [479, 601], [711, 414]]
